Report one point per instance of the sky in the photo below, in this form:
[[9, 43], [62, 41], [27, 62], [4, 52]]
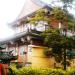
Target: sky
[[9, 11]]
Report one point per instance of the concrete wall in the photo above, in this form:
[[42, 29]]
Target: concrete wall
[[38, 59]]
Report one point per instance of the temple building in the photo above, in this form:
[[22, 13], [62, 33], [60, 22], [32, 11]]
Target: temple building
[[26, 43]]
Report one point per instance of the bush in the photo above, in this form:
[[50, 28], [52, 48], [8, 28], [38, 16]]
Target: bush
[[19, 65], [70, 71], [36, 71], [12, 70], [40, 71], [29, 71]]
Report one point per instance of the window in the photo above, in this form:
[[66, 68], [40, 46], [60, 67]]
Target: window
[[22, 50], [41, 26], [29, 26]]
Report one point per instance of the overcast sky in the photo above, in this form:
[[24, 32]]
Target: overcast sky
[[9, 10]]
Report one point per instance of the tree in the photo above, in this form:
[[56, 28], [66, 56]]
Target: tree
[[64, 17], [53, 38], [67, 21], [67, 3], [58, 43], [64, 3]]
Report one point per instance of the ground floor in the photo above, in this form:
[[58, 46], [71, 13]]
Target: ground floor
[[31, 55]]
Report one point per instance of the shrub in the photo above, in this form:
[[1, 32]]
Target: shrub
[[70, 71], [40, 71], [12, 70], [36, 71], [54, 72], [29, 71], [19, 65]]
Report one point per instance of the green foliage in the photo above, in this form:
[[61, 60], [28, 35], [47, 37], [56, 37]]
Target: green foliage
[[47, 52], [29, 71], [40, 15], [67, 3], [19, 65], [12, 70], [34, 71], [58, 43], [59, 14], [70, 71], [13, 67], [64, 17], [45, 71]]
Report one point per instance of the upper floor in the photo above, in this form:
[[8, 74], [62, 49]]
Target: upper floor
[[40, 26]]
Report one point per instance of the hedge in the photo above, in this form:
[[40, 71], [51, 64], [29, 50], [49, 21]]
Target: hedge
[[39, 71]]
